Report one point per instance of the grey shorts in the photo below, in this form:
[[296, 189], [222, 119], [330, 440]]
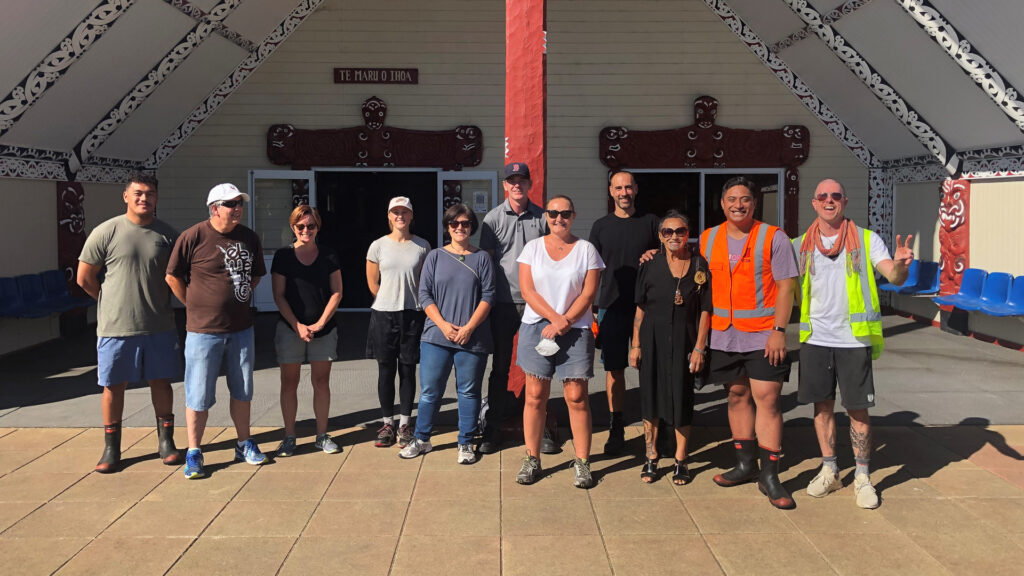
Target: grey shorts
[[823, 368], [294, 350], [573, 361]]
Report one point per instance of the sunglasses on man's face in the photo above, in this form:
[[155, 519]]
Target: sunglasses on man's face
[[304, 227], [681, 231], [461, 224], [565, 214], [837, 196], [230, 203]]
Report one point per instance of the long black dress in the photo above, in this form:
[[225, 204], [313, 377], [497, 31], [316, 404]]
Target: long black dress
[[667, 336]]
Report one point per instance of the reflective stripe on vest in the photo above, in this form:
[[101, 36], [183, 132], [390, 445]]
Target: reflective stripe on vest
[[761, 311]]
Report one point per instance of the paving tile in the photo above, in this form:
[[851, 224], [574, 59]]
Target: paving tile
[[11, 512], [11, 460], [37, 555], [306, 458], [1012, 434], [22, 487], [929, 516], [570, 554], [267, 518], [110, 487], [40, 439], [703, 487], [643, 516], [457, 518], [360, 484], [63, 460], [894, 554], [353, 555], [766, 554], [985, 553], [69, 519], [428, 555], [220, 486], [973, 483], [473, 484], [1005, 514], [616, 482], [367, 457], [838, 513], [537, 516], [741, 515], [271, 484], [163, 519], [126, 555], [92, 439], [660, 555], [358, 517], [988, 457], [895, 482], [1014, 476], [234, 556]]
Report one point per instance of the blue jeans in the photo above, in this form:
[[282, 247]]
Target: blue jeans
[[204, 356], [435, 366]]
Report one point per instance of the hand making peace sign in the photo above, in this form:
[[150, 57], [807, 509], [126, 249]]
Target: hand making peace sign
[[904, 254]]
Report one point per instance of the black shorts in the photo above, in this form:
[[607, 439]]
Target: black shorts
[[395, 335], [822, 368], [614, 331], [726, 367]]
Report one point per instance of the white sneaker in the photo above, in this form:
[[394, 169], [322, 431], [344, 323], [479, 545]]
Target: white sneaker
[[866, 495], [824, 483], [466, 454], [415, 448]]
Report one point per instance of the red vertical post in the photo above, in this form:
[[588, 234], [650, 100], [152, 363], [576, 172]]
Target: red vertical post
[[526, 90]]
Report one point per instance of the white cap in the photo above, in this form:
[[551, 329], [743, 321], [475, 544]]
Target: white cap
[[225, 192], [400, 201]]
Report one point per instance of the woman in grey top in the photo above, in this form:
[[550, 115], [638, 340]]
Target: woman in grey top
[[456, 291], [393, 265]]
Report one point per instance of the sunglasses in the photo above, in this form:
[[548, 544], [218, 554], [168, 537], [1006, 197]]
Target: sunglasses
[[230, 203], [565, 214], [837, 196], [460, 224], [303, 227], [681, 231]]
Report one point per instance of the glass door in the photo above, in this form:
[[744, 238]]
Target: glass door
[[478, 189], [273, 195]]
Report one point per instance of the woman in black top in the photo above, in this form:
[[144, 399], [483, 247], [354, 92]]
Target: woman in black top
[[670, 337], [307, 290]]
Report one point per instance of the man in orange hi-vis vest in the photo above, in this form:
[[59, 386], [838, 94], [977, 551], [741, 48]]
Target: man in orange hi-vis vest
[[753, 279]]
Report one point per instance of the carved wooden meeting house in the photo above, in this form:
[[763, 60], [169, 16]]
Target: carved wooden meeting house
[[913, 105]]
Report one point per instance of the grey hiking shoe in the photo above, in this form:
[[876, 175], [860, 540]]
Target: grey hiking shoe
[[325, 443], [530, 471], [286, 448], [404, 435], [583, 477]]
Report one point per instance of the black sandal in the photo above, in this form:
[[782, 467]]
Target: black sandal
[[682, 475], [649, 472]]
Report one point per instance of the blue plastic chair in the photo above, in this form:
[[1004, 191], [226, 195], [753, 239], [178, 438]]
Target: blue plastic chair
[[56, 290], [913, 273], [995, 291], [1014, 305], [12, 305], [970, 288], [927, 280], [32, 294]]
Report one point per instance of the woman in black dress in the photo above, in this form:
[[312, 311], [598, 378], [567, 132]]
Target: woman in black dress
[[670, 337]]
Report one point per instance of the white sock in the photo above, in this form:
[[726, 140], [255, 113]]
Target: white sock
[[388, 421], [404, 419], [241, 443]]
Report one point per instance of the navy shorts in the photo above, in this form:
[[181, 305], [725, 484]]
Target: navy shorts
[[726, 367]]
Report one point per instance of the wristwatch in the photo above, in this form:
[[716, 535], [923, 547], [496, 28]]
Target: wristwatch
[[703, 352], [779, 329]]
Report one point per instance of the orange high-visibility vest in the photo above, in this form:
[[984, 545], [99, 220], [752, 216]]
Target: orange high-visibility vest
[[743, 296]]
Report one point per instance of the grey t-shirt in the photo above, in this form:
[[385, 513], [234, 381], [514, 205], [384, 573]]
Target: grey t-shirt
[[504, 233], [134, 298], [400, 264]]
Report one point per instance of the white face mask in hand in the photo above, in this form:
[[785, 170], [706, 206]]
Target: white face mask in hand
[[546, 347]]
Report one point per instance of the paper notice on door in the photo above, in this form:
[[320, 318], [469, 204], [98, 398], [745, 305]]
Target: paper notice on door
[[480, 203]]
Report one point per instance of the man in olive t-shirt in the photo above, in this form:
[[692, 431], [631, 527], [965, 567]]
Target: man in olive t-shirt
[[136, 335], [213, 270]]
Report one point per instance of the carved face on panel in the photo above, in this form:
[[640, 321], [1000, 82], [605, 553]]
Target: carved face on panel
[[72, 212], [374, 112], [300, 192], [705, 111], [952, 211]]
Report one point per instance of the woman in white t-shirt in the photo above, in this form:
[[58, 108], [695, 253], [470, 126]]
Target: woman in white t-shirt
[[558, 275]]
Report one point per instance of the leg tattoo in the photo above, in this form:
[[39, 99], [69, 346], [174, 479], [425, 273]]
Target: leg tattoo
[[861, 442], [651, 438]]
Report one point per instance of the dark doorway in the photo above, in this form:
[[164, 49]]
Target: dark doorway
[[659, 192], [354, 208], [769, 187]]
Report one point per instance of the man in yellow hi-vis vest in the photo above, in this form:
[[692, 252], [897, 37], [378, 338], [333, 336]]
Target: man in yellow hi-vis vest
[[841, 330]]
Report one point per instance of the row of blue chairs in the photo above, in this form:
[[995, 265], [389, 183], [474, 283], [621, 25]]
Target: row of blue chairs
[[922, 280], [38, 295], [995, 294]]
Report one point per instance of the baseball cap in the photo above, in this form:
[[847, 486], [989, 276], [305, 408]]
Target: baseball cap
[[517, 169], [399, 201], [225, 192]]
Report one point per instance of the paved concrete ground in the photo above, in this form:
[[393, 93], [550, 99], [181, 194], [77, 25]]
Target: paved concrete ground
[[948, 464]]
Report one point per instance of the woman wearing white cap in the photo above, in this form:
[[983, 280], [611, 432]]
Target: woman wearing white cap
[[393, 265]]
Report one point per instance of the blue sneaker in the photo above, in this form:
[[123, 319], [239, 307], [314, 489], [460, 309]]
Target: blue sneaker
[[250, 452], [194, 464]]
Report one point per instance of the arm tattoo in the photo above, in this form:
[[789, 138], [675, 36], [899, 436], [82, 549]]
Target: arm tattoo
[[861, 443]]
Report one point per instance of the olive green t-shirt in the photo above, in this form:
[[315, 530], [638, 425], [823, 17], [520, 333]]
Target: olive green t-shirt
[[134, 297]]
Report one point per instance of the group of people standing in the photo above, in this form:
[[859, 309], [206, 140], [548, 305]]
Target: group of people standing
[[682, 314]]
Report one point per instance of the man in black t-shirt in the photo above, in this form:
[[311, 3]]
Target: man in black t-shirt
[[621, 237]]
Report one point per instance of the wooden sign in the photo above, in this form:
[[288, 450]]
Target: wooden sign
[[376, 75]]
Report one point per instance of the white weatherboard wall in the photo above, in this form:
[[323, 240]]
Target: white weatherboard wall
[[457, 45], [640, 64]]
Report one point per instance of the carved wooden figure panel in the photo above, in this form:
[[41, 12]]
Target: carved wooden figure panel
[[954, 234], [70, 231]]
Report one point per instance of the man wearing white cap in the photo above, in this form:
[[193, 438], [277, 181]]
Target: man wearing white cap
[[213, 270]]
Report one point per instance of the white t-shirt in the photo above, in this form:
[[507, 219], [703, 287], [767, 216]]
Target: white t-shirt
[[400, 264], [830, 308], [560, 282]]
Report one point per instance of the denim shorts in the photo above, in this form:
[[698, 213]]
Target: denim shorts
[[294, 350], [138, 358], [204, 356], [573, 361]]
